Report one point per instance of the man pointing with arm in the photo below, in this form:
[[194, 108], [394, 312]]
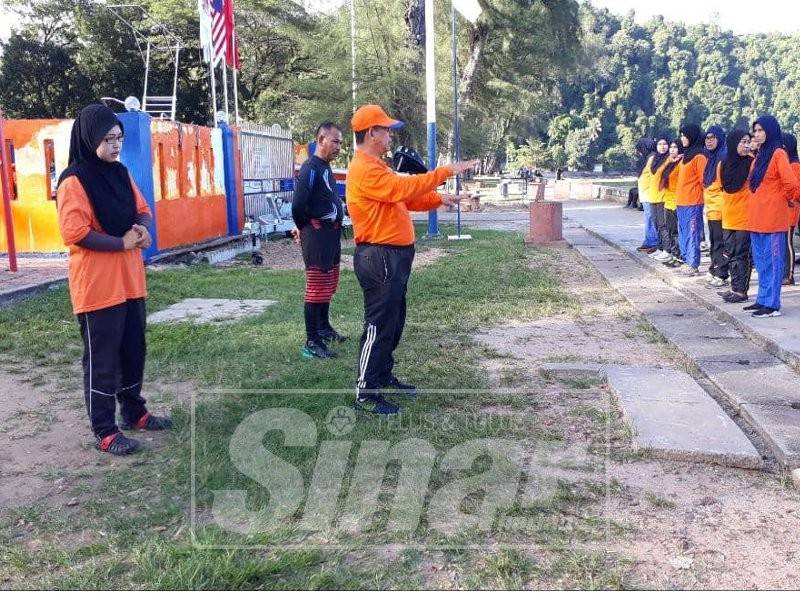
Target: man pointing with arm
[[379, 201]]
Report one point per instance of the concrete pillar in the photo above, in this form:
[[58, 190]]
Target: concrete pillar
[[137, 155], [230, 149], [545, 223]]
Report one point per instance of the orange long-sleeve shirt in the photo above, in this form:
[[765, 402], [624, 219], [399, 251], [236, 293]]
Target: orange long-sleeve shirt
[[712, 196], [794, 211], [690, 182], [379, 200], [768, 206], [97, 279]]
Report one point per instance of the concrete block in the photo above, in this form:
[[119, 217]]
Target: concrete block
[[779, 425]]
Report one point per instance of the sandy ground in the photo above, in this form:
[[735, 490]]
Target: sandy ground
[[284, 255], [690, 525], [45, 440]]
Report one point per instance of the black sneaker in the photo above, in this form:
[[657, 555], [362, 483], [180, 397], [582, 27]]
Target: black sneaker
[[118, 445], [754, 306], [764, 313], [148, 422], [402, 388], [375, 404], [331, 335], [314, 349], [734, 298]]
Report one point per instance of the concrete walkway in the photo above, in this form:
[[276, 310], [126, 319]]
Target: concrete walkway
[[33, 275], [623, 228], [670, 415], [727, 348]]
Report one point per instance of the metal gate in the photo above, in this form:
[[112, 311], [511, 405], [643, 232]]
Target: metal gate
[[268, 175]]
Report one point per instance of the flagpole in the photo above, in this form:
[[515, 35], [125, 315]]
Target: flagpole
[[430, 92], [235, 78], [225, 87], [353, 59], [213, 92]]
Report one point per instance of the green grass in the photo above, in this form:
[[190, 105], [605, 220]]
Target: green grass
[[137, 514]]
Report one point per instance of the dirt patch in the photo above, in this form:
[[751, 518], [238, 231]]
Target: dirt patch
[[684, 525], [46, 446], [285, 255]]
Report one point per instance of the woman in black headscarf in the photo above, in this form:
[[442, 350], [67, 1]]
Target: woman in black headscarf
[[734, 170], [103, 219], [790, 145], [690, 197]]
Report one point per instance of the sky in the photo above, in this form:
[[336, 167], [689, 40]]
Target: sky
[[739, 16]]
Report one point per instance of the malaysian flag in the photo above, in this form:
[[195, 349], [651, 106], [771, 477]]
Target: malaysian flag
[[217, 32]]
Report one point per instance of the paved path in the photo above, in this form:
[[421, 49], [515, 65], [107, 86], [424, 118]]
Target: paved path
[[763, 389], [623, 228], [670, 415], [33, 275]]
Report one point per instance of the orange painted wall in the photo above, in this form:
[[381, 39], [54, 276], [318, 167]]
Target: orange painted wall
[[33, 210], [189, 198]]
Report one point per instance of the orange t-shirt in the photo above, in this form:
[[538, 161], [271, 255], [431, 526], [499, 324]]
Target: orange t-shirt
[[767, 207], [97, 279], [734, 209], [794, 211], [379, 200], [690, 182]]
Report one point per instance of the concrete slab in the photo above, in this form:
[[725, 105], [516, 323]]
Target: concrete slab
[[779, 425], [209, 310], [623, 230], [670, 414], [730, 356]]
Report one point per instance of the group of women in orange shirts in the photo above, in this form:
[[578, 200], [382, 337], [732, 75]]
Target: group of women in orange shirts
[[746, 186]]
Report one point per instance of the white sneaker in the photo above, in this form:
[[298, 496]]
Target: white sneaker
[[659, 255], [716, 282], [688, 271]]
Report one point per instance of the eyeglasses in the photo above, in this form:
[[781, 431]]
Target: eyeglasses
[[110, 139]]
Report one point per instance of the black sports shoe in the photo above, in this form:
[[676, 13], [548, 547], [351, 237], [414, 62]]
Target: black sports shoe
[[118, 445], [734, 298], [148, 422], [766, 312], [314, 349], [754, 306], [331, 335], [375, 404], [402, 388]]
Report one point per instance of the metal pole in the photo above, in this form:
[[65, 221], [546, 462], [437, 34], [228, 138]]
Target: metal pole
[[225, 88], [175, 81], [353, 58], [456, 125], [213, 94], [235, 71], [146, 75], [6, 189], [430, 92]]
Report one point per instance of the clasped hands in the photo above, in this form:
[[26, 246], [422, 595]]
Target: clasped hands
[[137, 237]]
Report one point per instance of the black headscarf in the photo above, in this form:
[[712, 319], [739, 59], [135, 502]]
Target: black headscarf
[[658, 159], [644, 148], [107, 184], [696, 145], [714, 156], [662, 185], [735, 168], [773, 142], [790, 145]]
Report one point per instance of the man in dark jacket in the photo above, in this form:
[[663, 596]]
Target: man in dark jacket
[[318, 212]]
